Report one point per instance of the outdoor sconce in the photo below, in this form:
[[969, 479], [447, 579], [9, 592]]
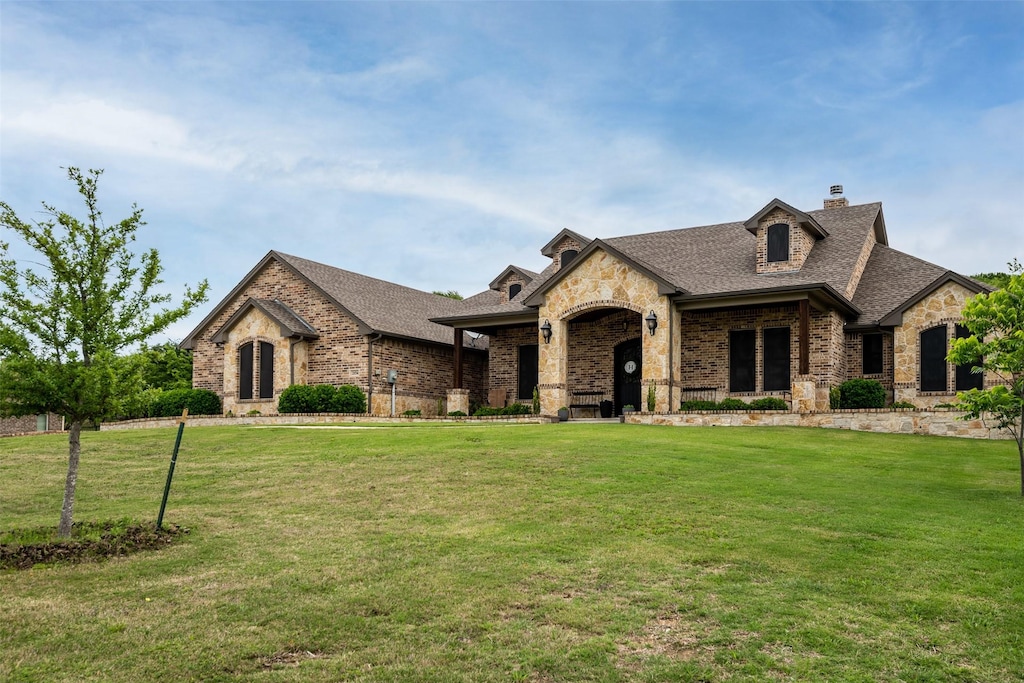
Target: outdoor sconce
[[652, 322], [545, 331]]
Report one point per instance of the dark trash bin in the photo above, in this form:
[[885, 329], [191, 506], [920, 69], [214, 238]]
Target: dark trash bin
[[606, 409]]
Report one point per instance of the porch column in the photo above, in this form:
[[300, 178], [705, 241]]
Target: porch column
[[457, 380], [805, 337], [552, 368]]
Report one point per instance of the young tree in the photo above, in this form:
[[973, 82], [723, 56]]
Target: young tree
[[996, 344], [63, 324]]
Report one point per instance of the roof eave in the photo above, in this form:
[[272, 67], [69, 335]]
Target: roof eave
[[820, 294], [806, 221], [895, 317]]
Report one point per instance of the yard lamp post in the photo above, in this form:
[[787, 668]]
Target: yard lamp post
[[652, 322], [545, 331]]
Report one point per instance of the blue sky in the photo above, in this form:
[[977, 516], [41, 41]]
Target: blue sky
[[435, 144]]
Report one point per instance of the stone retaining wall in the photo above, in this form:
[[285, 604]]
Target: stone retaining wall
[[311, 419], [933, 422]]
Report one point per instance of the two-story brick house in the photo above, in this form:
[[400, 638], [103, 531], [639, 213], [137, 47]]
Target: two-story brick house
[[785, 303]]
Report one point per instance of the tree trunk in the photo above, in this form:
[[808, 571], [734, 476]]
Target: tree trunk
[[74, 450]]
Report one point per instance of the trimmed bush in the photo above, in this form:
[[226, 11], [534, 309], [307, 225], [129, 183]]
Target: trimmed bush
[[697, 404], [903, 405], [733, 404], [769, 403], [349, 399], [456, 413], [861, 393], [412, 413], [198, 401], [487, 411], [298, 398], [517, 409], [833, 398]]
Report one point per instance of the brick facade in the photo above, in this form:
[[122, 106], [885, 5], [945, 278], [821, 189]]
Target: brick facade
[[503, 370], [800, 243]]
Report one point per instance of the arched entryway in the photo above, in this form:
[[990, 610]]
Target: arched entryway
[[629, 359]]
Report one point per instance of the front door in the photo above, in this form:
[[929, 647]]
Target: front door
[[628, 371]]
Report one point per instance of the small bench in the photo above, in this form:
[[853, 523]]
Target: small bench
[[585, 400]]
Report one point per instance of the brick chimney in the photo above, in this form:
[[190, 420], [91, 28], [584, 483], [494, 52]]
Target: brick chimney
[[837, 200]]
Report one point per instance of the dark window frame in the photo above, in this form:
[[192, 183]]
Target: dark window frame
[[245, 367], [526, 379], [873, 353], [932, 362], [965, 379], [776, 358], [778, 243], [567, 257], [266, 375], [513, 290], [742, 360]]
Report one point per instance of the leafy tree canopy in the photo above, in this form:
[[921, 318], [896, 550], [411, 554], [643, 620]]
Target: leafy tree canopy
[[451, 294], [996, 345], [66, 316]]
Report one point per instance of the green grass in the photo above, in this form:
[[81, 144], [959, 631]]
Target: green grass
[[526, 553]]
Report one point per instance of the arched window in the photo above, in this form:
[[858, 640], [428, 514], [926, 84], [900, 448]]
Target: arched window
[[567, 256], [245, 371], [266, 378], [933, 359], [513, 290], [965, 379], [778, 242]]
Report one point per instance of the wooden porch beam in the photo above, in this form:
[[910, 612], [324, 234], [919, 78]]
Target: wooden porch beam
[[805, 337], [457, 380]]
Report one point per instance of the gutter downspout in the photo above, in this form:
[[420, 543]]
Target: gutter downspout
[[291, 359], [671, 352], [370, 339]]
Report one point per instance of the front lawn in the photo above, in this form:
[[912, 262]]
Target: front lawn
[[571, 552]]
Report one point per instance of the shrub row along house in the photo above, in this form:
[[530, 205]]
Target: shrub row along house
[[786, 303]]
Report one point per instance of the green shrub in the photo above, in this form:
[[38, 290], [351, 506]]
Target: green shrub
[[861, 393], [349, 399], [769, 403], [834, 398], [456, 413], [733, 404], [696, 404], [298, 398], [536, 401], [487, 411], [517, 409], [412, 413], [651, 398], [903, 404], [198, 401], [323, 398]]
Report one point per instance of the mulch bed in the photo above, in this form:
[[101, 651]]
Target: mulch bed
[[89, 542]]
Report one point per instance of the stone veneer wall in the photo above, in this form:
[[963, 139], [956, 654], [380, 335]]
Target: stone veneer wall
[[944, 306], [800, 243], [503, 370], [511, 279], [601, 281], [930, 422]]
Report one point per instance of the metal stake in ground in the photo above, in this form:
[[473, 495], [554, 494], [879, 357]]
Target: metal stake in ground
[[170, 471]]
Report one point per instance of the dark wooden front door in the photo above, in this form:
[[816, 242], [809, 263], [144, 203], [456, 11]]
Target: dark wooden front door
[[628, 371]]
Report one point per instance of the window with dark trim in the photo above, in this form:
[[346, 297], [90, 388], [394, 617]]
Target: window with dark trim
[[872, 360], [776, 358], [933, 359], [528, 371], [778, 242], [742, 356], [567, 256], [513, 290], [266, 370], [965, 379], [245, 371]]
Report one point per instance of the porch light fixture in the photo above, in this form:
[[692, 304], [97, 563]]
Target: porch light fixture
[[545, 330], [652, 322]]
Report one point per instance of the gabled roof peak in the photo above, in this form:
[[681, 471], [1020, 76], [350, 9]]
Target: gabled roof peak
[[806, 221], [549, 248], [527, 275]]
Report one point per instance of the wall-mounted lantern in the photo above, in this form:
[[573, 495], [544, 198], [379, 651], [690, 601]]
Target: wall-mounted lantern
[[652, 322], [545, 331]]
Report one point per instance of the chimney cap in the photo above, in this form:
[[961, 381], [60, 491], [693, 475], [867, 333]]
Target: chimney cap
[[836, 190]]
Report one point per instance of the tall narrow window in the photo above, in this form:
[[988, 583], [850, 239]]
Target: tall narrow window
[[513, 290], [567, 256], [742, 353], [933, 359], [266, 370], [527, 371], [873, 355], [776, 359], [965, 379], [245, 371], [778, 242]]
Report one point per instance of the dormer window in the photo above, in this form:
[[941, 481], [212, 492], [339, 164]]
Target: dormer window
[[513, 290], [567, 256], [778, 242]]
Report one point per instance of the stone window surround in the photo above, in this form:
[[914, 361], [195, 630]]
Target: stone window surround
[[256, 352], [950, 325]]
